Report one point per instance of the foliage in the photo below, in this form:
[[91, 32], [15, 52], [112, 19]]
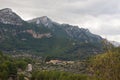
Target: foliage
[[21, 64], [57, 75], [106, 66], [9, 66], [21, 77]]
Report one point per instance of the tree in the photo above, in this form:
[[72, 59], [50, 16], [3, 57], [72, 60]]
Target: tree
[[106, 66], [21, 64], [21, 77]]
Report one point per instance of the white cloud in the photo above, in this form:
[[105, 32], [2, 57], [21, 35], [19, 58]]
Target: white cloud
[[112, 38]]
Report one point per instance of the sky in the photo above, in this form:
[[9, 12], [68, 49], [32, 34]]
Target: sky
[[101, 17]]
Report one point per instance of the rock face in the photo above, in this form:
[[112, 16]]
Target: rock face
[[29, 67], [36, 35], [7, 16], [44, 20], [81, 34]]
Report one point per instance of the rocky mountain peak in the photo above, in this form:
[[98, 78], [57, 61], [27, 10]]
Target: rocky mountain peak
[[45, 18], [41, 20], [6, 10], [7, 16]]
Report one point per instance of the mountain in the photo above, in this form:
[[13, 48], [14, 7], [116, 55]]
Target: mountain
[[7, 16], [73, 32], [42, 36]]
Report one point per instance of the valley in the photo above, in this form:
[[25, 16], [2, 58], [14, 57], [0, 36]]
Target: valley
[[42, 49]]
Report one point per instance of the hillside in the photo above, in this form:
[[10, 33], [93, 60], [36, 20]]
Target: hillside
[[100, 67], [42, 36]]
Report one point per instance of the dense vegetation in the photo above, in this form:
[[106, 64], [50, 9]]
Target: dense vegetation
[[100, 67], [106, 66], [56, 75], [9, 66]]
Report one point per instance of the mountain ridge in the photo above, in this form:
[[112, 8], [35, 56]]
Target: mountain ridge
[[45, 37], [70, 29]]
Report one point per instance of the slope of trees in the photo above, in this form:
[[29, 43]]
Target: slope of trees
[[106, 66], [101, 67], [9, 66]]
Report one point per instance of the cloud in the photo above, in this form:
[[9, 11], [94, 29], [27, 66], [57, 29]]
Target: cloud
[[100, 16]]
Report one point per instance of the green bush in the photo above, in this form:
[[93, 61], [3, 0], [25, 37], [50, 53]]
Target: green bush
[[57, 75], [106, 66]]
